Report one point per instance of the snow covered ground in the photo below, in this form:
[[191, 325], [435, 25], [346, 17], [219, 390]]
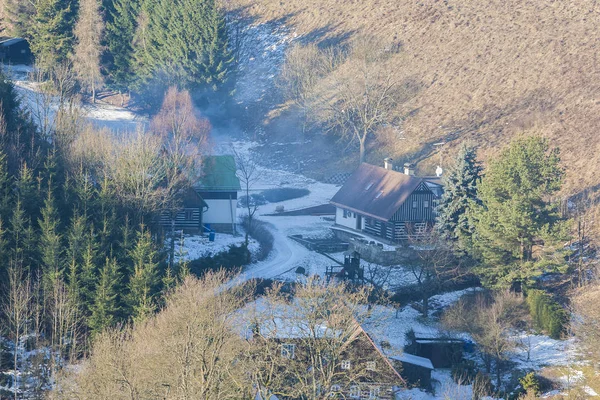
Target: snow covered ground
[[193, 247]]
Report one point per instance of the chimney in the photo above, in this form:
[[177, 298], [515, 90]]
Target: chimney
[[409, 169], [388, 164]]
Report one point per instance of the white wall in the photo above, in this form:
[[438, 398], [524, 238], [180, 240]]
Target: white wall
[[349, 221], [219, 212]]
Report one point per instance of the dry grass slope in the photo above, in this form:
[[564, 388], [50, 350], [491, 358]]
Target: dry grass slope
[[487, 70]]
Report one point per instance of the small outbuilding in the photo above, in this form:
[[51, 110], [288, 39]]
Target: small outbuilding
[[414, 369], [15, 51]]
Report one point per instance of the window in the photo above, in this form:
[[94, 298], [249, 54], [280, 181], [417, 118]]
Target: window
[[426, 204], [334, 390], [189, 214], [355, 392], [346, 214], [374, 392], [414, 204], [287, 350], [371, 365], [346, 364]]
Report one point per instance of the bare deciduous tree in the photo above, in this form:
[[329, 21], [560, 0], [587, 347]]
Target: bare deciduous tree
[[248, 173], [17, 312], [586, 319], [362, 94], [489, 322], [434, 265], [88, 33], [184, 139], [188, 351]]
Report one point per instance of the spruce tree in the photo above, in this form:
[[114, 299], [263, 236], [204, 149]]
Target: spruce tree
[[50, 237], [75, 252], [459, 197], [184, 44], [143, 284], [120, 31], [51, 33], [6, 189], [19, 14], [516, 213], [88, 275], [105, 307]]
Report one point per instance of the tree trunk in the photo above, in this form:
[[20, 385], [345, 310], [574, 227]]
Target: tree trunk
[[172, 247], [361, 142], [425, 310]]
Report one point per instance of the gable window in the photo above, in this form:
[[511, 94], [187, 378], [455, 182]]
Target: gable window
[[371, 365], [346, 364], [355, 392], [346, 214], [335, 389], [426, 203], [374, 392], [189, 214], [287, 350], [414, 204]]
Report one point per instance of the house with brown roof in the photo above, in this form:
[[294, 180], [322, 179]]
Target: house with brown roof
[[387, 204], [361, 370]]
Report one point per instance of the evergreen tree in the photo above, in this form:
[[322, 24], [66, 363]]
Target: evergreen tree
[[143, 284], [27, 190], [51, 34], [183, 44], [5, 189], [18, 14], [18, 226], [516, 213], [120, 31], [105, 307], [89, 31], [459, 197], [87, 277], [75, 252], [50, 237]]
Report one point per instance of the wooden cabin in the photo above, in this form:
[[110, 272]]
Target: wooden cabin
[[187, 219], [387, 204]]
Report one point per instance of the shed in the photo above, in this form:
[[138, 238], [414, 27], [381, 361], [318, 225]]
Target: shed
[[443, 352], [15, 51], [414, 369]]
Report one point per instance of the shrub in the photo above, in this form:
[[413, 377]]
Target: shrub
[[530, 383], [547, 314], [482, 386], [264, 237], [464, 372], [283, 194], [235, 257]]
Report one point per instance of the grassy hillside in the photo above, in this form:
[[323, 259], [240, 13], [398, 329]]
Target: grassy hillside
[[486, 70]]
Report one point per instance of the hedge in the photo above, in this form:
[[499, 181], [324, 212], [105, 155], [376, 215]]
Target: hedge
[[548, 316]]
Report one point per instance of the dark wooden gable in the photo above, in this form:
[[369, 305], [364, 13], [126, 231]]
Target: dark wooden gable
[[418, 207]]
